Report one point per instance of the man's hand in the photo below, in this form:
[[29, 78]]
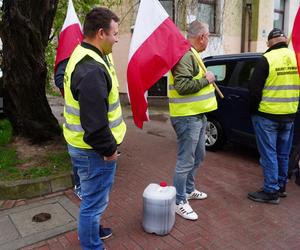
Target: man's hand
[[210, 77], [113, 157]]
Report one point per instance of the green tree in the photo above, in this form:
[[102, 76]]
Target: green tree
[[27, 27], [81, 7], [25, 30]]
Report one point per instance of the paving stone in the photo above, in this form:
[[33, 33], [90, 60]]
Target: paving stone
[[20, 203], [9, 204], [63, 219], [25, 225], [8, 230], [227, 219]]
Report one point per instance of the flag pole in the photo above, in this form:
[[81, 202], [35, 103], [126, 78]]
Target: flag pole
[[213, 83], [289, 39]]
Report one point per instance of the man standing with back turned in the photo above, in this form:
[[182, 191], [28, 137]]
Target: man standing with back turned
[[94, 125], [274, 98], [191, 95]]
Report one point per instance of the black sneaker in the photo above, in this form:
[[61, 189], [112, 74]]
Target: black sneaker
[[105, 232], [262, 196], [281, 192]]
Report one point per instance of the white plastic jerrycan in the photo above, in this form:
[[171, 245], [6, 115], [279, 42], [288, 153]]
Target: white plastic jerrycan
[[159, 208]]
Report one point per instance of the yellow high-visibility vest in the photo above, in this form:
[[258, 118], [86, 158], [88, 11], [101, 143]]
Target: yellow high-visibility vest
[[192, 104], [73, 131], [282, 88]]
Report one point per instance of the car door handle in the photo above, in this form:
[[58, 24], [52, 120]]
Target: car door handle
[[230, 97]]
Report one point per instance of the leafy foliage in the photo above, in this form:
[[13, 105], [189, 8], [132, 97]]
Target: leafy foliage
[[82, 7]]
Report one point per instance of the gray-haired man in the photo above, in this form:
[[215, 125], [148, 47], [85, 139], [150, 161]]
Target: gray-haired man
[[190, 96]]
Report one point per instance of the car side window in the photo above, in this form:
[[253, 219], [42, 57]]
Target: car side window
[[242, 74], [222, 72], [219, 71]]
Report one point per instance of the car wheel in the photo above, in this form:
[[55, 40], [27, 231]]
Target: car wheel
[[214, 136]]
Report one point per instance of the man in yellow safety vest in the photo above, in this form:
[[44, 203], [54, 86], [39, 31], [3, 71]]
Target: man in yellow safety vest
[[94, 125], [274, 99], [191, 95]]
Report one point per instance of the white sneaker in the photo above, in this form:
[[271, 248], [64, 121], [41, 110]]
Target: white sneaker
[[196, 195], [77, 192], [185, 210]]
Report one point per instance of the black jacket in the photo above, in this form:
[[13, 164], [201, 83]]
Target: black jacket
[[90, 86]]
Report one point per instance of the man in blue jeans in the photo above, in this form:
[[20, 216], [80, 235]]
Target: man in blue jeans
[[104, 232], [191, 95], [274, 99], [94, 125]]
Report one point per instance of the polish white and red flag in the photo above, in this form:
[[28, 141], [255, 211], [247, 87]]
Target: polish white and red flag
[[296, 38], [70, 35], [156, 46]]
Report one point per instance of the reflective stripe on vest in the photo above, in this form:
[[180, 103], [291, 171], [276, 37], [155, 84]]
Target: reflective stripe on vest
[[73, 131], [75, 112], [281, 92], [185, 105]]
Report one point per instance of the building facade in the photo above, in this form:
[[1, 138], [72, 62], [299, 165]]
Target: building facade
[[235, 25]]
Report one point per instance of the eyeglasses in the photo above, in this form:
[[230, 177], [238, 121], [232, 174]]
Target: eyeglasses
[[206, 35]]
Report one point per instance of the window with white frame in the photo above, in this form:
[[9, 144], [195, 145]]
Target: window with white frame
[[279, 6], [207, 13]]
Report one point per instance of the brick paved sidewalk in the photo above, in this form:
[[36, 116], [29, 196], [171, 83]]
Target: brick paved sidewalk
[[227, 219]]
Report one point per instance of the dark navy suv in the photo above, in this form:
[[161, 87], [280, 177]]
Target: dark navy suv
[[232, 121]]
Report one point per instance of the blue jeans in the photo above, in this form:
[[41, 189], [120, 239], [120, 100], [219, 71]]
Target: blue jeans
[[96, 179], [274, 141], [190, 131]]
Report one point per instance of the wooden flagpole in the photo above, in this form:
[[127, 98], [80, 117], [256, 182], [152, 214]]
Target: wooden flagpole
[[213, 83]]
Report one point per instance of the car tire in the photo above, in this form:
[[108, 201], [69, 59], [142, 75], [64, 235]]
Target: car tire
[[214, 135]]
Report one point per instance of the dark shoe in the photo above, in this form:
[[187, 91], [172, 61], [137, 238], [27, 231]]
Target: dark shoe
[[262, 196], [281, 192], [105, 232]]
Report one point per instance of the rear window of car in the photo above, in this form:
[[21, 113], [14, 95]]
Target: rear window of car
[[242, 74], [222, 71]]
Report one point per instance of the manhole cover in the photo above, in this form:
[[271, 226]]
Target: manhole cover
[[41, 217]]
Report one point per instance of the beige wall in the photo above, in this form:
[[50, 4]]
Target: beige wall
[[121, 49], [232, 26], [265, 24], [120, 55], [265, 21]]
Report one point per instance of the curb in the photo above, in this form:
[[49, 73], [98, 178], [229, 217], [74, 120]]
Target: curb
[[22, 189]]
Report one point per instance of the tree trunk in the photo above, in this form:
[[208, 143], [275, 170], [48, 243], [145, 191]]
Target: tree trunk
[[26, 26]]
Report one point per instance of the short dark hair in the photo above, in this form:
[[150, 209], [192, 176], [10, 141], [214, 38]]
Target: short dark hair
[[96, 19]]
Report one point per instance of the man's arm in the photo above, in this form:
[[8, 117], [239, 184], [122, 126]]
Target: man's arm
[[91, 87], [257, 83], [59, 74], [183, 73]]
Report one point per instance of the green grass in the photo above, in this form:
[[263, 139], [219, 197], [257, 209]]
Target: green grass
[[5, 132], [8, 155], [53, 163]]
